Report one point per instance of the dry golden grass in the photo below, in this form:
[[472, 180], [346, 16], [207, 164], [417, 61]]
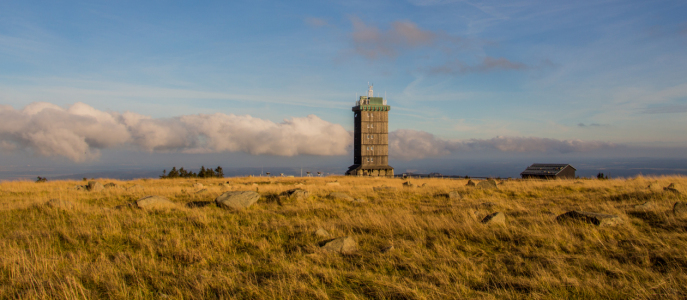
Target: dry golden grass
[[268, 251]]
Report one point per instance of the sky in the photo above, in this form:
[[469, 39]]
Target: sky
[[132, 84]]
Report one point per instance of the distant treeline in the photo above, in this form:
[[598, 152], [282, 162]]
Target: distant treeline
[[203, 173]]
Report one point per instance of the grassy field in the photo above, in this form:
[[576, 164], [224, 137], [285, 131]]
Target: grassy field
[[103, 248]]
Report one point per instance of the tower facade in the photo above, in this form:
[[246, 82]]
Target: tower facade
[[371, 137]]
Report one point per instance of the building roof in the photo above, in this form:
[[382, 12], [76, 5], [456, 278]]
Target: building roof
[[545, 169]]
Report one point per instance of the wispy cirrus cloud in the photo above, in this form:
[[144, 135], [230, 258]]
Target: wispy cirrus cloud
[[374, 43]]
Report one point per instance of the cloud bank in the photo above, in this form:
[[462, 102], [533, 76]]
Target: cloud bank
[[407, 144], [81, 131]]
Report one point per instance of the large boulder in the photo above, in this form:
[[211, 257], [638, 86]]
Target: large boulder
[[237, 199], [487, 184], [590, 217], [344, 245], [155, 202], [340, 196], [680, 208], [495, 218], [94, 186], [470, 183], [408, 184], [296, 194], [61, 204]]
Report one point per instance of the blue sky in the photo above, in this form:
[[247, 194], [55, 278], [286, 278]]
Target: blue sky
[[602, 75]]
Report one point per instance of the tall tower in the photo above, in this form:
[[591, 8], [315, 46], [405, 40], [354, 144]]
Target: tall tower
[[371, 137]]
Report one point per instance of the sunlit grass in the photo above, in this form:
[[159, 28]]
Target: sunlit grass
[[103, 248]]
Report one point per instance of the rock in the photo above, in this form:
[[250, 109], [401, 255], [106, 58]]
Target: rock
[[237, 199], [680, 208], [644, 206], [454, 195], [654, 187], [335, 183], [359, 200], [80, 187], [487, 204], [321, 232], [408, 184], [155, 202], [94, 186], [61, 204], [470, 183], [590, 217], [487, 184], [423, 185], [197, 185], [137, 187], [383, 188], [202, 191], [675, 188], [387, 249], [340, 196], [111, 185], [495, 218], [296, 194], [345, 245]]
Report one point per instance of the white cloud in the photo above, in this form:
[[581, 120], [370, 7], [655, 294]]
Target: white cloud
[[79, 132]]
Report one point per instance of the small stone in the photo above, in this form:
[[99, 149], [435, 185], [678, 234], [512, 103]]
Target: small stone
[[201, 191], [137, 187], [61, 204], [454, 195], [654, 187], [359, 200], [470, 183], [383, 188], [674, 188], [680, 208], [94, 186], [408, 184], [321, 232], [487, 184], [590, 217], [495, 218], [340, 196], [345, 245], [387, 249], [197, 185], [644, 206], [155, 202], [237, 199]]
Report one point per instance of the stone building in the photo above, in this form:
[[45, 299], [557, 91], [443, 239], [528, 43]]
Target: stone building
[[371, 137], [549, 171]]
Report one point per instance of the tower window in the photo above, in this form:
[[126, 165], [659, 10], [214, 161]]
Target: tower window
[[372, 148], [372, 125]]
